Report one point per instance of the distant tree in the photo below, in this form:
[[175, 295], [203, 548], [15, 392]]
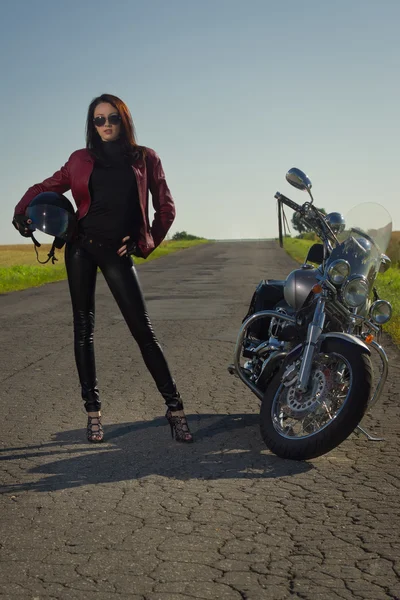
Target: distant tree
[[299, 225], [183, 235]]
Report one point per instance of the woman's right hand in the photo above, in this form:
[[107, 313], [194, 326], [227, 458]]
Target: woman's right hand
[[21, 224]]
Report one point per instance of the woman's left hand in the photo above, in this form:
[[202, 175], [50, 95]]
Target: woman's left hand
[[129, 247], [124, 249]]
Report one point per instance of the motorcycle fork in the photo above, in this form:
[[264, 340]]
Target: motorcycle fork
[[313, 333]]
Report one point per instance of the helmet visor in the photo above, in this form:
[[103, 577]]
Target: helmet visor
[[52, 220]]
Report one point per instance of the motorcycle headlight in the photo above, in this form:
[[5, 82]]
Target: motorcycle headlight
[[355, 291], [380, 312], [338, 271]]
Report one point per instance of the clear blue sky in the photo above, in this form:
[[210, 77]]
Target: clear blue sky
[[231, 94]]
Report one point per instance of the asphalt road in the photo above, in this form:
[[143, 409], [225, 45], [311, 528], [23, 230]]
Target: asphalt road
[[144, 517]]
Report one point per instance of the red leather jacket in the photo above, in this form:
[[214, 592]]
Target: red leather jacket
[[75, 175]]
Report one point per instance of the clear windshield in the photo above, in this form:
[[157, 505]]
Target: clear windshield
[[372, 221], [367, 233]]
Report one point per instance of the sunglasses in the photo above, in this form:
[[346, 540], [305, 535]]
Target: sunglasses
[[113, 119]]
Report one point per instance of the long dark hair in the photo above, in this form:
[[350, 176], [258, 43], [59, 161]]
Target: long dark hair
[[127, 138]]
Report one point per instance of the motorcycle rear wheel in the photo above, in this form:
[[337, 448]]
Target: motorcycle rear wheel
[[304, 427]]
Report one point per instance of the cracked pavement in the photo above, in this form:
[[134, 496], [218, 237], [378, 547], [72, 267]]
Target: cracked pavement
[[142, 517]]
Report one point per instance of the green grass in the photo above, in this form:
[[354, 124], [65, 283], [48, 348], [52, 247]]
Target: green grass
[[23, 276], [387, 284], [297, 249]]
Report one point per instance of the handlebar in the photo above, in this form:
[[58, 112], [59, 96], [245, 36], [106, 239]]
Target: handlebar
[[290, 203], [311, 215]]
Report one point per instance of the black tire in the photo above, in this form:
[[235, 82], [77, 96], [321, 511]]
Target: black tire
[[347, 419]]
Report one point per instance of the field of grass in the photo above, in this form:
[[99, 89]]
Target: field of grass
[[394, 249], [20, 270], [387, 284], [297, 248]]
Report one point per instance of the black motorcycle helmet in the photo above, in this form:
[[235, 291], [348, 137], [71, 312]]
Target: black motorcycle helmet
[[53, 214]]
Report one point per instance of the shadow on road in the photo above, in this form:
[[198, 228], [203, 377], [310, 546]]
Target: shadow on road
[[226, 447]]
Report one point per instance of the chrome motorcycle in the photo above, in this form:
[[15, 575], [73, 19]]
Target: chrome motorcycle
[[307, 339]]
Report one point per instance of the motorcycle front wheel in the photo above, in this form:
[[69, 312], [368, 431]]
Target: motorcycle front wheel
[[303, 426]]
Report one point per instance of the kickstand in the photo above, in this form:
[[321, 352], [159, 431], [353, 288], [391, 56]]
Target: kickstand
[[370, 437]]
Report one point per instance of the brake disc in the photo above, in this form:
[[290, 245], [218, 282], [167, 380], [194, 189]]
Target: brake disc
[[300, 403]]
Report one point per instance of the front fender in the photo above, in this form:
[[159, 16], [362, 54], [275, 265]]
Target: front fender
[[347, 337]]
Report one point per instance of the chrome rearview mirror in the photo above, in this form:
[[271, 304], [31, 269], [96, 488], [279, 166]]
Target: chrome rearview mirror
[[299, 180], [385, 263]]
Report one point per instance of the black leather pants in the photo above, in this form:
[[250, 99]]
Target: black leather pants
[[82, 259]]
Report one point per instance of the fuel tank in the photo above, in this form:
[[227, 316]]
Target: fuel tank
[[298, 286]]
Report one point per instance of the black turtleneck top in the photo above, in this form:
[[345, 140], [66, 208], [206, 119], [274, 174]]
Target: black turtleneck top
[[114, 210]]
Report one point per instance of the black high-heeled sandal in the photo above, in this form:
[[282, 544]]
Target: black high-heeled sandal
[[179, 427], [94, 435]]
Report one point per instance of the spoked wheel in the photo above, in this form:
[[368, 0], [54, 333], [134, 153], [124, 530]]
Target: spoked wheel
[[301, 426]]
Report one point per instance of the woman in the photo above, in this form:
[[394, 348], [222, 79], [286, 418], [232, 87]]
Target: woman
[[110, 181]]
